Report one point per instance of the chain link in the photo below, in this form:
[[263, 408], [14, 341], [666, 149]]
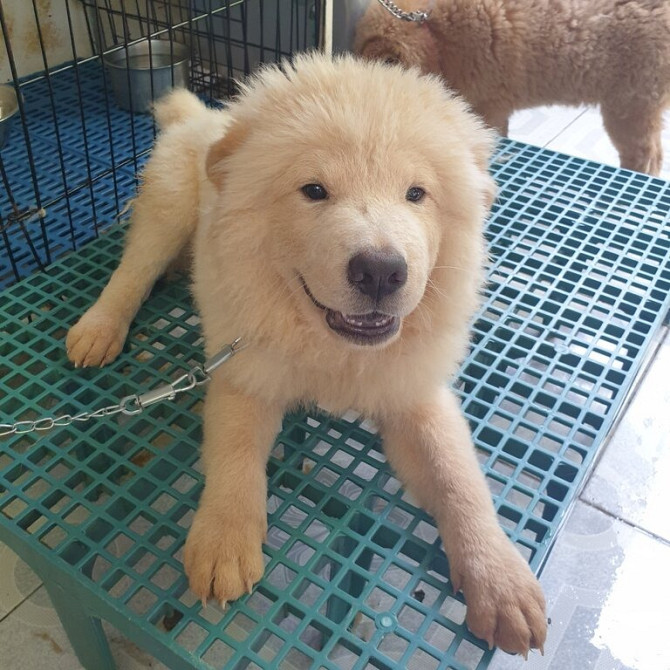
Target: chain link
[[417, 17], [131, 404]]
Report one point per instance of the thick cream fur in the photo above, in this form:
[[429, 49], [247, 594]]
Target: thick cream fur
[[300, 122], [229, 185], [506, 55]]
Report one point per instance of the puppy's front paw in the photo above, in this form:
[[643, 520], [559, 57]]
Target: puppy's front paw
[[223, 556], [505, 604], [96, 339]]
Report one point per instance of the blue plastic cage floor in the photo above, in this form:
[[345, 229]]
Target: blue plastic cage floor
[[85, 151], [579, 284]]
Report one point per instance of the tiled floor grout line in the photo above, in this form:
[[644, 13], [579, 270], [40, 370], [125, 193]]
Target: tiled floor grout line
[[662, 339], [26, 597], [625, 521], [562, 130]]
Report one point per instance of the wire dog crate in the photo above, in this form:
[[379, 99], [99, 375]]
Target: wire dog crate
[[72, 151], [356, 577]]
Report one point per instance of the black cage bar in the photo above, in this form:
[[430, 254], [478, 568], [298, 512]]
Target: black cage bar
[[71, 152]]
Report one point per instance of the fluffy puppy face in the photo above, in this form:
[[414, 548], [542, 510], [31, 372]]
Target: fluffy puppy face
[[360, 234], [349, 174]]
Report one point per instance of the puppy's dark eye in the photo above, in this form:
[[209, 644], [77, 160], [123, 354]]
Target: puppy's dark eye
[[415, 194], [314, 191]]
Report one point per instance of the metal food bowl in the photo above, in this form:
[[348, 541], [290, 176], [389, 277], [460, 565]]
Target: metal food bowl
[[9, 106], [145, 71]]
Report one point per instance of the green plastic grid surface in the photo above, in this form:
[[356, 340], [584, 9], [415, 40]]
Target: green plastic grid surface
[[355, 576]]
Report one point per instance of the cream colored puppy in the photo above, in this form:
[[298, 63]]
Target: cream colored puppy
[[336, 213]]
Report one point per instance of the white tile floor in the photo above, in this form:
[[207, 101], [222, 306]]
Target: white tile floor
[[606, 580], [577, 131]]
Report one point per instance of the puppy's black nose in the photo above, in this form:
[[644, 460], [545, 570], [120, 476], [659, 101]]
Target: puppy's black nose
[[377, 273]]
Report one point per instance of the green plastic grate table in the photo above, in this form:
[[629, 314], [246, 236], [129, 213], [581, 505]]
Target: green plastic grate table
[[578, 285]]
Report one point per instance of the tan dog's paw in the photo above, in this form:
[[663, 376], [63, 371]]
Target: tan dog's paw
[[223, 557], [505, 604], [96, 339]]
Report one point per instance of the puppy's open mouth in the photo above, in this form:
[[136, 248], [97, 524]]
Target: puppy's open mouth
[[371, 328]]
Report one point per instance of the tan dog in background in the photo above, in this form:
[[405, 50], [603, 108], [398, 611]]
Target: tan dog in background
[[335, 211], [507, 55]]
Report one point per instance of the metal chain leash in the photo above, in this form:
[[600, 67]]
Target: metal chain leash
[[417, 17], [131, 404]]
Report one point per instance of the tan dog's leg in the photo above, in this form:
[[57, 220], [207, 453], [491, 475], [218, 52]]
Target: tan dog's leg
[[636, 134], [163, 222], [431, 450], [223, 554]]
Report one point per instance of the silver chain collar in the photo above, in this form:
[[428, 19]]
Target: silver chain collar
[[131, 404], [416, 17]]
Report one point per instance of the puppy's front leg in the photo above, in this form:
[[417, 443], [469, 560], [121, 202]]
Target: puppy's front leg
[[164, 218], [223, 554], [430, 447]]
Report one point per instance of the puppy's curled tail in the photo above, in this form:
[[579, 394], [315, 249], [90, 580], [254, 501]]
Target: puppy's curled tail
[[177, 107]]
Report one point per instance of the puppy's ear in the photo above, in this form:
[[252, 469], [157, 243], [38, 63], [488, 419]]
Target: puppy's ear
[[222, 149]]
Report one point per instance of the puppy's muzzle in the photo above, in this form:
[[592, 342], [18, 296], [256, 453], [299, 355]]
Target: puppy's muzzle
[[377, 273]]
